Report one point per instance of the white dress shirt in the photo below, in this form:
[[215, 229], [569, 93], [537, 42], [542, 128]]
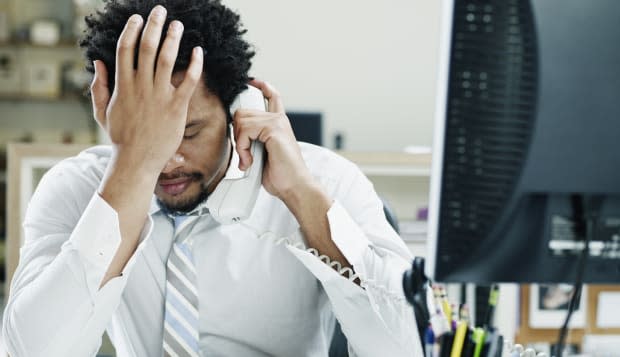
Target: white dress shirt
[[261, 291]]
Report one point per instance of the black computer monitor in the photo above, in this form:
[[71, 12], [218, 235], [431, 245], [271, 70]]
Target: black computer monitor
[[307, 126], [527, 142]]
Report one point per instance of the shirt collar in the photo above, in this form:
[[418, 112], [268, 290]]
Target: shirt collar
[[154, 206]]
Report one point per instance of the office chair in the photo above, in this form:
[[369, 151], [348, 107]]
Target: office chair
[[338, 346]]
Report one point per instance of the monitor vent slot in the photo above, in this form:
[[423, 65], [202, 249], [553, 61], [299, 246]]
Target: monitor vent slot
[[490, 113]]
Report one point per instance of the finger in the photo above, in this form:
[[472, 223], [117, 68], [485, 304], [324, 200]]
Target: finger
[[100, 92], [168, 54], [245, 131], [125, 49], [149, 44], [273, 96], [243, 145], [193, 74]]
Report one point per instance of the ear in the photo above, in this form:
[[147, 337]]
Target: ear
[[100, 92]]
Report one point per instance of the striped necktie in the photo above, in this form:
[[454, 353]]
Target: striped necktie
[[181, 309]]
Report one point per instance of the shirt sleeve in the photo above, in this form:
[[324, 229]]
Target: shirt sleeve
[[375, 316], [55, 306]]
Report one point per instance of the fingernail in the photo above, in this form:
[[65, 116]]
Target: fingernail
[[95, 66], [176, 26], [159, 10], [198, 51], [135, 19]]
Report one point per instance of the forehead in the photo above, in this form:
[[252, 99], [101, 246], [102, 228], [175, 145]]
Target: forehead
[[202, 99], [178, 77]]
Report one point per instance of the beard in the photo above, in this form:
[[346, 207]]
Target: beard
[[189, 203]]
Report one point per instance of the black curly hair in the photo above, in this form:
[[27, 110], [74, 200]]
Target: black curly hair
[[207, 23]]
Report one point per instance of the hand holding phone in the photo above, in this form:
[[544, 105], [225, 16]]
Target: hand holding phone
[[234, 197]]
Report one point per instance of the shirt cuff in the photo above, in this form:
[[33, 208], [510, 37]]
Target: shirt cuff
[[97, 237], [348, 237]]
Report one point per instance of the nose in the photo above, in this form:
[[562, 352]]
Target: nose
[[173, 163]]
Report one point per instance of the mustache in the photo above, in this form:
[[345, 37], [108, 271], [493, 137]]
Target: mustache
[[179, 174]]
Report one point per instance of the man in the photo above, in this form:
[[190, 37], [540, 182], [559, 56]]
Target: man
[[107, 239]]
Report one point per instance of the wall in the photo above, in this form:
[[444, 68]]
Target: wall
[[369, 66]]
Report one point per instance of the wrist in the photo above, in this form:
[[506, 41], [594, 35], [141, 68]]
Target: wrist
[[137, 161], [127, 177], [308, 193]]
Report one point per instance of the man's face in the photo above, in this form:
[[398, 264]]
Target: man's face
[[183, 184]]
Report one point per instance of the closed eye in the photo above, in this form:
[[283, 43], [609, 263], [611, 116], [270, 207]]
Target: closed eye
[[193, 128], [191, 131]]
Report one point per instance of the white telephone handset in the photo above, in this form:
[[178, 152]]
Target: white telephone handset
[[234, 197]]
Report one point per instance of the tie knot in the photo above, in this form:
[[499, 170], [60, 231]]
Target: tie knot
[[183, 227], [184, 223]]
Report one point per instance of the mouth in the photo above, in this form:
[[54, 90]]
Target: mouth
[[176, 186]]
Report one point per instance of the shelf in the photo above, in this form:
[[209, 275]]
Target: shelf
[[391, 163], [62, 45], [380, 170], [26, 98], [414, 231]]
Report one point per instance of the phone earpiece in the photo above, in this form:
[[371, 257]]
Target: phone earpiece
[[234, 197]]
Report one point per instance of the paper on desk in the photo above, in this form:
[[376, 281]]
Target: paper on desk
[[608, 310], [600, 345]]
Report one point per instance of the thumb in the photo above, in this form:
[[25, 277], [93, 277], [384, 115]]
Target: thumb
[[100, 92]]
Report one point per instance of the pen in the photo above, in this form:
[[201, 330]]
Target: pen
[[469, 345], [429, 342], [437, 298], [497, 341], [459, 339], [445, 344], [439, 323], [464, 313], [478, 337], [444, 301], [455, 317], [493, 297]]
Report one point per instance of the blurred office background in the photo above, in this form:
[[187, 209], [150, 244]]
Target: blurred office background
[[361, 73]]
